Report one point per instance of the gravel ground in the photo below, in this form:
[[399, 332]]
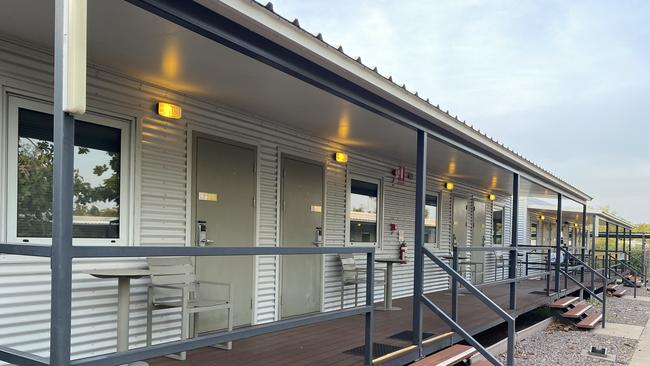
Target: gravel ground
[[562, 345], [627, 310]]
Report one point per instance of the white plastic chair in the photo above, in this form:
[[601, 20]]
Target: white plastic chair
[[353, 275], [174, 285]]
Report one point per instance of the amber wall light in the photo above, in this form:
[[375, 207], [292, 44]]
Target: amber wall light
[[169, 110], [341, 157]]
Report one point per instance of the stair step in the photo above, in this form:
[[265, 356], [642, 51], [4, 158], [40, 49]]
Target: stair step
[[448, 356], [612, 287], [590, 321], [482, 363], [577, 311], [564, 302], [619, 293]]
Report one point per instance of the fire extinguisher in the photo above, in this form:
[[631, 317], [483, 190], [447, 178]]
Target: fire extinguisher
[[402, 252]]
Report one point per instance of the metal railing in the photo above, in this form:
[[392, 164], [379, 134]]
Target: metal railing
[[620, 263], [592, 291], [17, 357], [452, 321]]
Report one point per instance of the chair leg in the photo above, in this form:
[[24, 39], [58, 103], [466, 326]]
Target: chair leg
[[342, 294], [356, 295], [228, 345]]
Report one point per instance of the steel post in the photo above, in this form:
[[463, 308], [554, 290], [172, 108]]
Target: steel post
[[370, 294], [514, 241], [584, 241], [62, 201], [606, 259], [548, 273], [454, 286], [558, 240], [420, 201]]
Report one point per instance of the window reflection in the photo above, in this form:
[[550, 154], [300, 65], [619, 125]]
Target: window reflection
[[363, 214], [497, 225], [431, 220], [96, 181]]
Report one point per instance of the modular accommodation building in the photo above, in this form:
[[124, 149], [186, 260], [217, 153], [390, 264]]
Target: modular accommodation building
[[276, 140]]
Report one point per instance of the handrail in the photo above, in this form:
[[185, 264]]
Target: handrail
[[485, 300], [117, 358], [625, 280], [592, 291], [623, 263], [485, 249]]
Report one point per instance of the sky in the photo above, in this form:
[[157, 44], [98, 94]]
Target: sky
[[565, 83]]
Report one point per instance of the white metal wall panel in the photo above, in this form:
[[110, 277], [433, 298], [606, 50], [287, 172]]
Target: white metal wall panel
[[161, 212]]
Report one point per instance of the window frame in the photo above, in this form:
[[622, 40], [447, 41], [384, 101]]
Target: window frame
[[14, 104], [438, 196], [503, 224], [380, 210]]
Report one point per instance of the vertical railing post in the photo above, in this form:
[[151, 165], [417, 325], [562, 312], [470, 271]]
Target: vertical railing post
[[616, 244], [370, 295], [594, 234], [548, 273], [418, 275], [454, 285], [558, 240], [512, 255], [606, 259], [584, 242], [604, 296], [566, 270], [62, 201]]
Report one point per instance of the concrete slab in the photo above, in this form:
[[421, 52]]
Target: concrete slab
[[639, 298], [620, 330], [641, 355]]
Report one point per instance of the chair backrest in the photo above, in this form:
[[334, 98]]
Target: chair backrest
[[172, 271], [349, 266]]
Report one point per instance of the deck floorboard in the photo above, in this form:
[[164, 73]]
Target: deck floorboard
[[326, 343]]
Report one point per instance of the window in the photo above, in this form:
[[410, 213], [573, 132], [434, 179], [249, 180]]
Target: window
[[100, 177], [497, 225], [533, 234], [431, 220], [364, 211]]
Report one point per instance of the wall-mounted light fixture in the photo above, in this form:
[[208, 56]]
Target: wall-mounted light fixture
[[491, 197], [542, 218], [341, 157], [449, 186], [169, 110]]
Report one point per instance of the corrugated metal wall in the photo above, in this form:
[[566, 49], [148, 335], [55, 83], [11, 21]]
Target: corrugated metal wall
[[160, 163]]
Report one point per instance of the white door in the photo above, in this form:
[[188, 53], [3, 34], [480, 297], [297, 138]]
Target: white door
[[224, 197], [478, 240]]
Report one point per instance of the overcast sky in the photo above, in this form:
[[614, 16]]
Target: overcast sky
[[565, 83]]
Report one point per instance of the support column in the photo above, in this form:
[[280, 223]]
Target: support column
[[61, 261], [418, 275], [616, 243], [584, 242], [606, 261], [513, 254], [558, 240]]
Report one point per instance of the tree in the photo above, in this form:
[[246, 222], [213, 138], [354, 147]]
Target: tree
[[34, 196]]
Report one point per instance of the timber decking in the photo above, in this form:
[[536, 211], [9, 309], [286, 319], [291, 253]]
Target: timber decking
[[326, 343]]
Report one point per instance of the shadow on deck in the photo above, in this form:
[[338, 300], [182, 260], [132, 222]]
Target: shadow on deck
[[333, 342]]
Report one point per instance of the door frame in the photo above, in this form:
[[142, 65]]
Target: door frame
[[310, 159], [193, 133]]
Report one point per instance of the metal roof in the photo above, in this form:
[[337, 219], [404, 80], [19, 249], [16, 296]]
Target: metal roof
[[396, 90]]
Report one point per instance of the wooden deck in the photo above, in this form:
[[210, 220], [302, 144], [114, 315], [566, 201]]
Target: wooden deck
[[329, 343]]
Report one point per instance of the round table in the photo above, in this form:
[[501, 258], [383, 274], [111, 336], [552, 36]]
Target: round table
[[388, 285], [124, 277]]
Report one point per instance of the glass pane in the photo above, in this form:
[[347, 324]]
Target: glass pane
[[460, 221], [533, 234], [96, 178], [363, 214], [431, 219], [497, 225]]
